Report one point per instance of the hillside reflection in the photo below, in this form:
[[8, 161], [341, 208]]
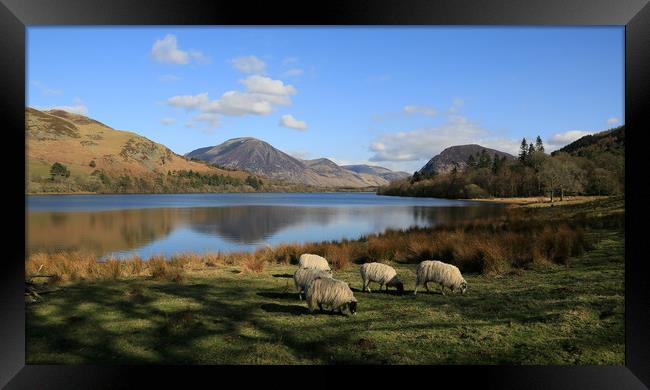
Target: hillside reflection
[[166, 230]]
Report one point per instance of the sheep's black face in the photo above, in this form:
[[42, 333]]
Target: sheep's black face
[[400, 287], [353, 307]]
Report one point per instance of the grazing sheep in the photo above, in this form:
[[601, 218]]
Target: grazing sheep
[[303, 276], [330, 292], [382, 274], [446, 275], [313, 261]]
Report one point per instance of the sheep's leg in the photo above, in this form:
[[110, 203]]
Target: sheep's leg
[[320, 306], [415, 292], [426, 285], [366, 285], [442, 289]]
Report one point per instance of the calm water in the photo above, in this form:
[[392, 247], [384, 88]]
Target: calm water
[[146, 225]]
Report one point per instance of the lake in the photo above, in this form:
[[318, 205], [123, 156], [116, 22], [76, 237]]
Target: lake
[[164, 224]]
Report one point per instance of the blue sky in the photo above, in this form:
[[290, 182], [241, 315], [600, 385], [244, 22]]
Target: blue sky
[[387, 96]]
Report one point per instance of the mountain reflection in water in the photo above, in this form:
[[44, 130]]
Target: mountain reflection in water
[[151, 231]]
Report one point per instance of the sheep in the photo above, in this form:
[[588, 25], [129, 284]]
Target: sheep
[[446, 275], [313, 261], [382, 274], [330, 292], [303, 276]]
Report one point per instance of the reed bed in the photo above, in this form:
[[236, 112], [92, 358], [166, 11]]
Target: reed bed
[[487, 247]]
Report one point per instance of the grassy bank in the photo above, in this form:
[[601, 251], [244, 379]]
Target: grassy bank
[[541, 201], [556, 315]]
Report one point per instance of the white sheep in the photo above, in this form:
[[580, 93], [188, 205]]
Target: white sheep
[[382, 274], [308, 260], [330, 292], [303, 276], [446, 275]]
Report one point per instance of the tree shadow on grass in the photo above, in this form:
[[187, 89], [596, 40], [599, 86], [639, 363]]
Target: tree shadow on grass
[[278, 295], [286, 309], [283, 276]]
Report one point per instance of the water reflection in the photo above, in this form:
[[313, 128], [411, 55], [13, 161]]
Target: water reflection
[[150, 231]]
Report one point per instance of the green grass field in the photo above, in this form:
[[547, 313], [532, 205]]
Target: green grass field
[[554, 315]]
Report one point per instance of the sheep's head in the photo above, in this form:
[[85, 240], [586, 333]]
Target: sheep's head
[[352, 306], [400, 287], [463, 287]]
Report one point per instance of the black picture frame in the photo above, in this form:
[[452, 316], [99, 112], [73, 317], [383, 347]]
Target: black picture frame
[[16, 15]]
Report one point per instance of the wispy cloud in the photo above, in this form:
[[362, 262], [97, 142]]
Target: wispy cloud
[[166, 51], [249, 64], [289, 61], [613, 121], [424, 110], [78, 107], [167, 121], [45, 90], [293, 72], [292, 123]]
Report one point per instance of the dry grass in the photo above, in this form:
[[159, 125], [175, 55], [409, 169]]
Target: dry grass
[[524, 238]]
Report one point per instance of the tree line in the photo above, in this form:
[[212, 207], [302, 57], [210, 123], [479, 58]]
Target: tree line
[[532, 173]]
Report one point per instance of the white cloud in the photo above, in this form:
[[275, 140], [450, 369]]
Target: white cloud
[[211, 119], [424, 110], [166, 51], [45, 90], [266, 85], [248, 64], [420, 145], [293, 72], [613, 121], [78, 107], [259, 98], [292, 123], [236, 103], [168, 121], [559, 140], [189, 102], [456, 105]]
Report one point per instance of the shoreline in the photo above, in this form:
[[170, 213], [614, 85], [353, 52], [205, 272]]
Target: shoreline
[[540, 201]]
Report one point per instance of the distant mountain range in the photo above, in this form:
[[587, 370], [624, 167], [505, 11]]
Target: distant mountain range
[[259, 157], [458, 156]]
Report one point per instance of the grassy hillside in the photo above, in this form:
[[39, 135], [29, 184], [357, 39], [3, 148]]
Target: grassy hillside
[[609, 141], [98, 157]]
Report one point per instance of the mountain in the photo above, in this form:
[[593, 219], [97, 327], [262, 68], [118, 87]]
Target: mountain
[[612, 140], [85, 145], [458, 155], [378, 171], [330, 172], [259, 157], [254, 156]]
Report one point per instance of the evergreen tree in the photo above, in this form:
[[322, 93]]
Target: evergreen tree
[[523, 150], [531, 150], [471, 161], [539, 146]]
